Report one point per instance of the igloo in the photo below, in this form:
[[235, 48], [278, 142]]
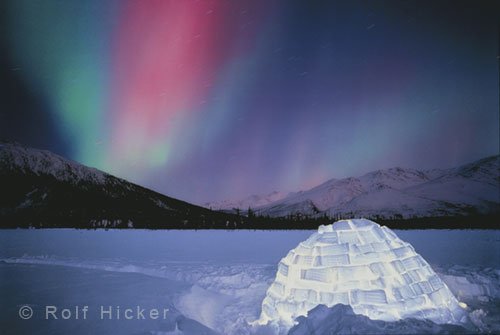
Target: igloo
[[361, 264]]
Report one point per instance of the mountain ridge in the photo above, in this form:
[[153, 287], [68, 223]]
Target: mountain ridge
[[42, 189], [397, 192], [253, 200]]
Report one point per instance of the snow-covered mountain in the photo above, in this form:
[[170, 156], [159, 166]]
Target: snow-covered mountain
[[15, 157], [252, 201], [399, 192], [42, 189]]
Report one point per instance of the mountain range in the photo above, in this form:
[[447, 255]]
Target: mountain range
[[252, 201], [42, 189], [390, 193]]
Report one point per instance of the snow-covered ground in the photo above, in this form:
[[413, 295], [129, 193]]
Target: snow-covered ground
[[210, 281]]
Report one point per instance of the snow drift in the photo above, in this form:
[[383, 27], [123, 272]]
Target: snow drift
[[340, 319], [360, 264]]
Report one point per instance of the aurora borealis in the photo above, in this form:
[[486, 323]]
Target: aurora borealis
[[208, 100]]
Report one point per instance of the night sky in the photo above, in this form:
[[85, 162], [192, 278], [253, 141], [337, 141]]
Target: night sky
[[210, 100]]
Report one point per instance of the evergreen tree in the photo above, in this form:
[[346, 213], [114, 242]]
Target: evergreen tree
[[251, 213]]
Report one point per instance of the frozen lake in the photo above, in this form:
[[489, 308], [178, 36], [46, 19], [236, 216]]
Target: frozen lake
[[463, 247], [208, 280]]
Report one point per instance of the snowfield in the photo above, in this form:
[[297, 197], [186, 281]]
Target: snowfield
[[213, 282]]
